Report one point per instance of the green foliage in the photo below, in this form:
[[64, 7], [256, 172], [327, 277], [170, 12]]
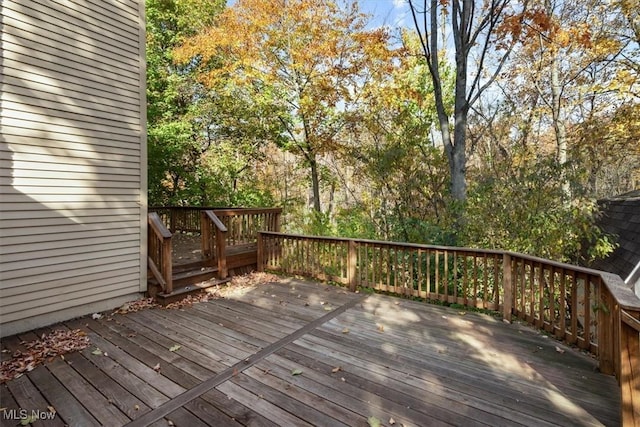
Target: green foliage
[[313, 223], [523, 209], [354, 222], [202, 143]]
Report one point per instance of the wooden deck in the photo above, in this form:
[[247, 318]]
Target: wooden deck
[[298, 353]]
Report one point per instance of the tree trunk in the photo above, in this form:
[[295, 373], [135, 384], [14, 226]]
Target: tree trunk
[[559, 128], [458, 157], [315, 182]]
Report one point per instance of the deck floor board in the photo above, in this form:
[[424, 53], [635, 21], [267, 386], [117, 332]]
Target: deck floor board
[[376, 356]]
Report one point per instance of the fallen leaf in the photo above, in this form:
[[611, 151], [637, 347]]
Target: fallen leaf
[[96, 316], [322, 303], [157, 367], [133, 306], [380, 328], [296, 372], [105, 354], [336, 369], [559, 350], [462, 313], [28, 420], [328, 309], [345, 331], [392, 421], [175, 347], [97, 352], [373, 422], [342, 379], [170, 423], [136, 407]]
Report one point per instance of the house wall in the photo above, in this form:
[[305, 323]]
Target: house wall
[[73, 159]]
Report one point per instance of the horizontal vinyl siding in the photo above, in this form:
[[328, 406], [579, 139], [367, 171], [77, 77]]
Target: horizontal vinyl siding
[[72, 159]]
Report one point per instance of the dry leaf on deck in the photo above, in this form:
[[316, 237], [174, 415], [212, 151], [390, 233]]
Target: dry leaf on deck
[[373, 422]]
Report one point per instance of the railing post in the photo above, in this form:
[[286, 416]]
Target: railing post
[[352, 264], [277, 222], [606, 332], [205, 235], [221, 244], [167, 270], [507, 286], [630, 367], [259, 254]]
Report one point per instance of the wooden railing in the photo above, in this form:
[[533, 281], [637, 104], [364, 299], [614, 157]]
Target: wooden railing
[[242, 224], [179, 218], [630, 366], [159, 252], [214, 236], [588, 308]]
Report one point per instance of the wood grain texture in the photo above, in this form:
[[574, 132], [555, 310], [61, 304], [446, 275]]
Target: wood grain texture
[[358, 356]]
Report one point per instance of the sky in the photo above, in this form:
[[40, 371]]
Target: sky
[[394, 13]]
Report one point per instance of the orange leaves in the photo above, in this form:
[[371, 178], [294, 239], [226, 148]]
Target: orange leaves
[[536, 24]]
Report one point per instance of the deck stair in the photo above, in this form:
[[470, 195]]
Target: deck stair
[[226, 243], [187, 279]]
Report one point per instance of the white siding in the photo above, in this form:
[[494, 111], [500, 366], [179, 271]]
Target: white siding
[[72, 159]]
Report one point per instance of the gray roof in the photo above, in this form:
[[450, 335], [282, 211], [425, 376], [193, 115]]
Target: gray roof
[[621, 217]]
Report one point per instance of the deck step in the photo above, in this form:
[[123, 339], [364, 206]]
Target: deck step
[[182, 291], [186, 280], [194, 275]]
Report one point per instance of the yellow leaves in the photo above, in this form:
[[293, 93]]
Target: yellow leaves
[[563, 38]]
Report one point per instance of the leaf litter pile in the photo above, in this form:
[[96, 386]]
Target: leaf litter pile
[[46, 348], [60, 342]]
